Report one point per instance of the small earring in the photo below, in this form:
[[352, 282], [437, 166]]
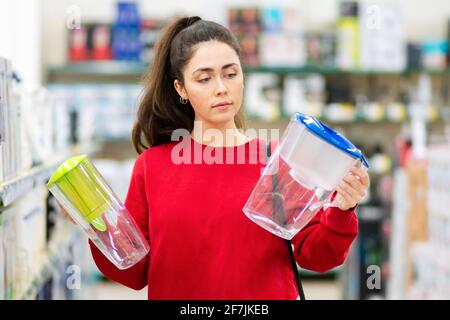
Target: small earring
[[183, 101]]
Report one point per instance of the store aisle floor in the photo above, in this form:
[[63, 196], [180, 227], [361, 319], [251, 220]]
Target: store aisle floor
[[315, 289]]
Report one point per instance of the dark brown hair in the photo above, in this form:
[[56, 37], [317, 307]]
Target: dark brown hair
[[160, 112]]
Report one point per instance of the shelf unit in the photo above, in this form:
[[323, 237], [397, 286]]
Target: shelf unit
[[12, 189], [133, 71]]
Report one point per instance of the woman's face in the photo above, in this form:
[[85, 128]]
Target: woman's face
[[213, 83]]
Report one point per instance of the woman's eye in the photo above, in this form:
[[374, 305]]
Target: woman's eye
[[231, 75], [203, 80]]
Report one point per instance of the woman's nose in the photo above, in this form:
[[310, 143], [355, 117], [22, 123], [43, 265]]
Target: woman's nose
[[220, 87]]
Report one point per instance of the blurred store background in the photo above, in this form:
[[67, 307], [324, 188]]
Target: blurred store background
[[377, 71]]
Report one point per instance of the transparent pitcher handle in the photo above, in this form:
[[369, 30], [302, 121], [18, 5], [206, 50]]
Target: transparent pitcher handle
[[335, 202]]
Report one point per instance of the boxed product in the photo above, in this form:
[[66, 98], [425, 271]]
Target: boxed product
[[282, 49], [304, 94], [2, 120], [263, 96], [91, 41], [25, 241], [434, 54], [348, 32], [272, 19], [126, 43], [276, 19], [245, 24], [37, 124], [25, 144], [99, 41], [64, 98], [150, 29], [2, 261], [78, 47], [250, 49], [382, 37], [9, 124], [414, 56]]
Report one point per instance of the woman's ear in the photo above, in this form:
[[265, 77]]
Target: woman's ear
[[180, 89]]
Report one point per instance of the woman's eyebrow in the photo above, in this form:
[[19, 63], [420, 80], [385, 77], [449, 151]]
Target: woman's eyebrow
[[211, 69]]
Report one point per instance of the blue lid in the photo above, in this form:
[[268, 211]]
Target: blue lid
[[332, 137]]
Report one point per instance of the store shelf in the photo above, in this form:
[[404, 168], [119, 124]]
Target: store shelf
[[332, 70], [16, 187], [100, 68], [136, 68], [347, 121]]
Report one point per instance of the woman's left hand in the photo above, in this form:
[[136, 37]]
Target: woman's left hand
[[352, 188]]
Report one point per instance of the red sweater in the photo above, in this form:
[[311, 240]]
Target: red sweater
[[202, 246]]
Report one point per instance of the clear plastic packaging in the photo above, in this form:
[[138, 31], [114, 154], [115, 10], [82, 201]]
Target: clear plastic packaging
[[85, 195], [301, 176]]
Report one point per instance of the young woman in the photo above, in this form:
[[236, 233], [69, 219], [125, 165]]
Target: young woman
[[202, 244]]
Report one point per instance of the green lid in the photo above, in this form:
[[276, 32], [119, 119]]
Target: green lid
[[65, 168], [83, 186]]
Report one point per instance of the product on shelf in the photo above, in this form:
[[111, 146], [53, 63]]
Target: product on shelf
[[448, 41], [24, 241], [126, 43], [272, 19], [348, 26], [282, 49], [2, 260], [304, 94], [33, 125], [269, 36], [246, 25], [396, 112], [414, 56], [10, 124], [371, 111], [321, 48], [100, 111], [150, 29], [249, 48], [128, 38], [434, 54], [99, 41], [263, 96], [382, 37], [78, 45]]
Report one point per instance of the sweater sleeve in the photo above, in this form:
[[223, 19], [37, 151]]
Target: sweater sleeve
[[325, 241], [136, 204]]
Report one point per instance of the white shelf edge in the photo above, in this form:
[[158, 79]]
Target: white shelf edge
[[12, 189]]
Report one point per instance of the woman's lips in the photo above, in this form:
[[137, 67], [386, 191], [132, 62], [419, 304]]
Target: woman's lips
[[222, 105]]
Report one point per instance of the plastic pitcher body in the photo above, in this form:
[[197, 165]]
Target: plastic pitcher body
[[85, 195], [300, 177], [281, 204]]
